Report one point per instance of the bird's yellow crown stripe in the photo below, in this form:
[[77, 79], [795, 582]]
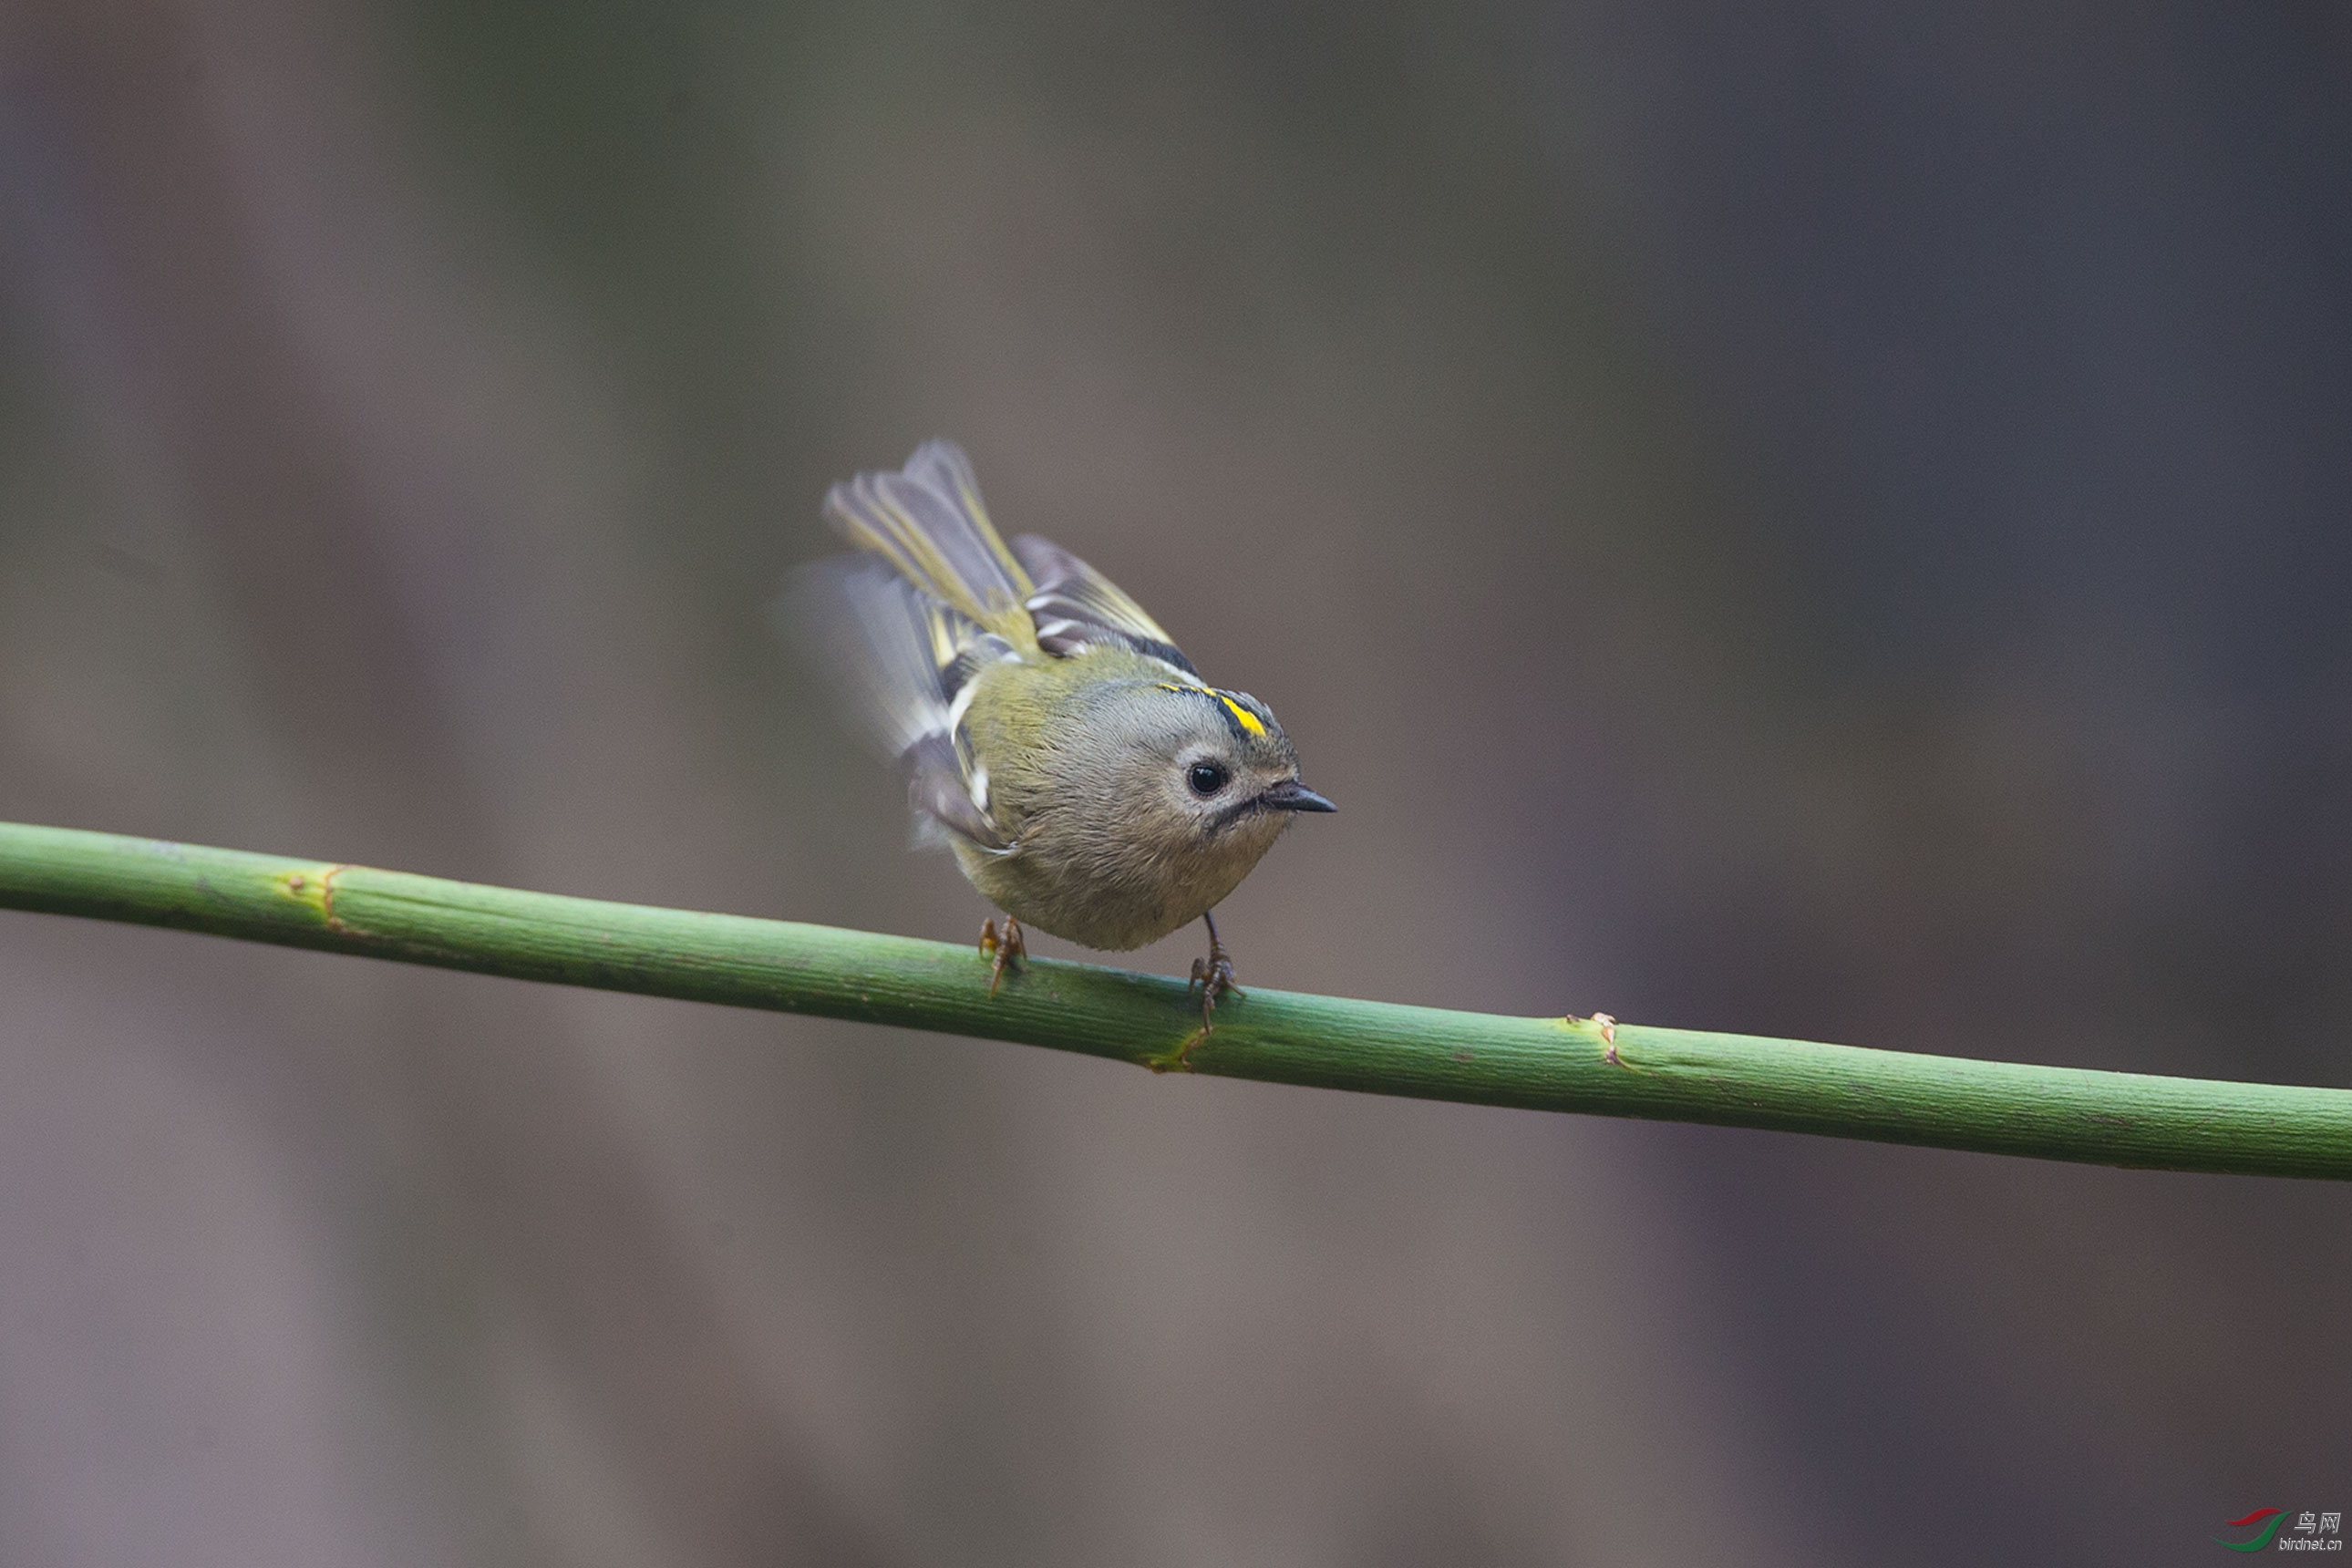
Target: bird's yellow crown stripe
[[1242, 716]]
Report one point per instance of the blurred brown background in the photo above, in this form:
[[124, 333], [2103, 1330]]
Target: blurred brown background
[[1823, 519]]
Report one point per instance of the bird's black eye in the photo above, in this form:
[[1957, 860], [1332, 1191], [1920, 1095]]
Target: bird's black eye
[[1206, 778]]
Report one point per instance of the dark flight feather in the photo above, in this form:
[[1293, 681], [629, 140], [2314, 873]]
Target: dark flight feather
[[1075, 607]]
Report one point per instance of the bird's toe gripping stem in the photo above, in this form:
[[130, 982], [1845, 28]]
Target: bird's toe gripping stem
[[1003, 952], [1213, 976]]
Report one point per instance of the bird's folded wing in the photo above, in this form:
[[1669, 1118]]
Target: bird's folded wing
[[1077, 607]]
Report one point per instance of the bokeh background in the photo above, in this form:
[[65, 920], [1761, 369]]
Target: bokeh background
[[1815, 519]]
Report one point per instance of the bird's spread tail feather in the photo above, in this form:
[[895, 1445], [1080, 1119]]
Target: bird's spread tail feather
[[928, 521]]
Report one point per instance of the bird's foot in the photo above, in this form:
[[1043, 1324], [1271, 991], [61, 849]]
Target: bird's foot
[[1214, 977], [1003, 953]]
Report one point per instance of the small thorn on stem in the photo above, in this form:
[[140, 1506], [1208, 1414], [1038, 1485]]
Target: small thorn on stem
[[1182, 1061]]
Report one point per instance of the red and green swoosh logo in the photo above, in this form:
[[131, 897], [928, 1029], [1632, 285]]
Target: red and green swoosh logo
[[2268, 1517]]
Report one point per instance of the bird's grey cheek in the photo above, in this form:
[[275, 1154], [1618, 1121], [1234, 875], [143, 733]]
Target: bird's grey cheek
[[1224, 821]]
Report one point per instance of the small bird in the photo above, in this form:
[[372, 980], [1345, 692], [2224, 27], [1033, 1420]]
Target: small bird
[[1090, 784]]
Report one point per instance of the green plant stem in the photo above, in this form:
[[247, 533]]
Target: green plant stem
[[1329, 1042]]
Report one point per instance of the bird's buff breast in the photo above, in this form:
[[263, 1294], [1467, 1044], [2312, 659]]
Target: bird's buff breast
[[1117, 900]]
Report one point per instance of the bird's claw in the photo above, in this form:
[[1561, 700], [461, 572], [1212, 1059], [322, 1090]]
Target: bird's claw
[[1003, 953], [1213, 976]]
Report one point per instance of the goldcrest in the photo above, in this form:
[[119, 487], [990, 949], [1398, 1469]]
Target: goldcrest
[[1090, 782]]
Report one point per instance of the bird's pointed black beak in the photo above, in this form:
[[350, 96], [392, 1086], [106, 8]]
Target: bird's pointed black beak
[[1292, 796]]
